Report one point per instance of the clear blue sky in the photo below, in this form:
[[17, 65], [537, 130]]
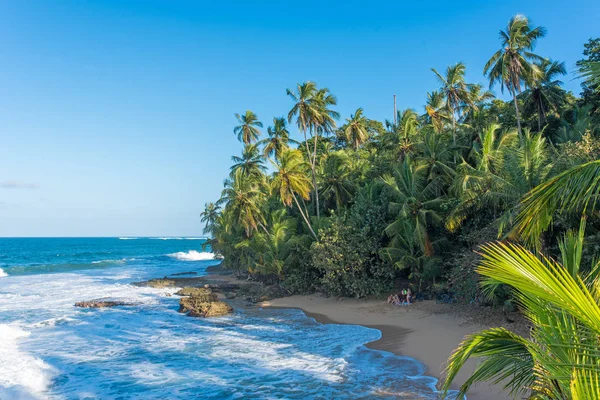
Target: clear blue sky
[[116, 116]]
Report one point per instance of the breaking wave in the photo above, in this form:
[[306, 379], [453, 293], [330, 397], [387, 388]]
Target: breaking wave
[[2, 273], [22, 376], [192, 255]]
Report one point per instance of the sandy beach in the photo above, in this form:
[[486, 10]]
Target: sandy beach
[[410, 331]]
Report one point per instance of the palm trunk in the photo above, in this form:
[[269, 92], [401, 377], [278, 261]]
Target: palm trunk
[[314, 173], [305, 218], [514, 93]]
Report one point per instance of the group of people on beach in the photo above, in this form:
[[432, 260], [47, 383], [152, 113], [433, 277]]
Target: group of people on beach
[[402, 298]]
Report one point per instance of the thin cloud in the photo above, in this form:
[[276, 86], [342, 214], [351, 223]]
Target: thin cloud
[[18, 185]]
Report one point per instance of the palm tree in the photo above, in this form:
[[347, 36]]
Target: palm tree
[[356, 129], [560, 360], [291, 180], [590, 71], [416, 200], [514, 62], [545, 94], [278, 140], [575, 190], [247, 130], [435, 110], [307, 110], [335, 179], [243, 197], [209, 217], [250, 163], [455, 91]]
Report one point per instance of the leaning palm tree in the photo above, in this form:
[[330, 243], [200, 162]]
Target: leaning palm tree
[[356, 129], [455, 90], [209, 217], [561, 358], [545, 94], [278, 140], [291, 181], [247, 130], [514, 62]]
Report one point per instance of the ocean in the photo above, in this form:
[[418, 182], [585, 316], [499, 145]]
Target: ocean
[[50, 349]]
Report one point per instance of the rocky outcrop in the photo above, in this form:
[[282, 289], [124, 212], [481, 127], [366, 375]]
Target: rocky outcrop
[[102, 303], [194, 291], [201, 302], [197, 295], [157, 283]]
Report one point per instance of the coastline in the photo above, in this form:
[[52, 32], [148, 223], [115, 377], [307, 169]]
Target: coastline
[[424, 331], [406, 331]]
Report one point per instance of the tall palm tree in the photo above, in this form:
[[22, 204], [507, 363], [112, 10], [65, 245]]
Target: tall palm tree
[[209, 217], [291, 180], [561, 358], [455, 91], [545, 94], [278, 140], [514, 62], [247, 130], [356, 129], [250, 163], [243, 196], [313, 115]]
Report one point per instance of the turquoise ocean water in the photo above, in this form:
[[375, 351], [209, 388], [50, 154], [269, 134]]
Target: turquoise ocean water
[[50, 349]]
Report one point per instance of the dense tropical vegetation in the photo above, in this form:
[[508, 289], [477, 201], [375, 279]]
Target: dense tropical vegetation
[[360, 204]]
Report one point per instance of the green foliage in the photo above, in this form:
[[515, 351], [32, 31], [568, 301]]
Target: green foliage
[[349, 265]]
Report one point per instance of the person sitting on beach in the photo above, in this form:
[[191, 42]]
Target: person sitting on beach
[[408, 296], [404, 296]]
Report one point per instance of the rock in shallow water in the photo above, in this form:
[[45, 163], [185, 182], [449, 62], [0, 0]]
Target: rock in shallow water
[[102, 303], [199, 307]]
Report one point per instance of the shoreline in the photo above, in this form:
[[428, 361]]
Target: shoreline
[[425, 331], [405, 331]]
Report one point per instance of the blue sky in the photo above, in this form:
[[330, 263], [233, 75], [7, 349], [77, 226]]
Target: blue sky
[[116, 116]]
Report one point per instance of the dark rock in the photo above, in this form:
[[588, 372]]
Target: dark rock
[[102, 303], [185, 273]]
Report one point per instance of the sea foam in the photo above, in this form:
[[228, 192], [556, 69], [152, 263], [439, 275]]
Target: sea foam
[[2, 273], [21, 375], [192, 255]]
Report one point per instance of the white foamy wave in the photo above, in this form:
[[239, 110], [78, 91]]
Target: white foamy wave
[[192, 255], [2, 273], [128, 238], [20, 373]]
